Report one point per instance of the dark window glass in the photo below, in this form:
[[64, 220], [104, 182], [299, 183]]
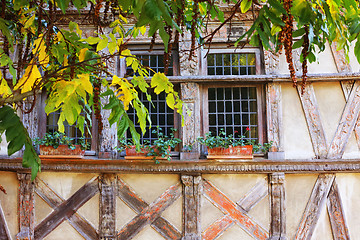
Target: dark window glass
[[232, 118], [231, 64], [155, 62]]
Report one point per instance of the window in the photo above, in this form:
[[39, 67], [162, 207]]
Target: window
[[233, 109], [236, 107], [155, 62]]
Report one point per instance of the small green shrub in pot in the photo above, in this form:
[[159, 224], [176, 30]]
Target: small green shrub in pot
[[55, 139]]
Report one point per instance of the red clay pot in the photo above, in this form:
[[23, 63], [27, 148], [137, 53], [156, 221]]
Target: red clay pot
[[131, 153], [241, 152], [61, 150]]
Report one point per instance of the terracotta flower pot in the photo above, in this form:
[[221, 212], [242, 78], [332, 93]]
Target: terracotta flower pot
[[237, 152], [62, 150]]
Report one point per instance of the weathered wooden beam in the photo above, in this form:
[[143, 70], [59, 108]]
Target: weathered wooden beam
[[347, 123], [218, 227], [54, 200], [151, 213], [67, 209], [341, 63], [161, 225], [347, 87], [235, 212], [274, 116], [4, 230], [255, 195], [312, 116], [277, 206], [337, 215], [314, 206], [107, 211], [26, 207], [191, 207]]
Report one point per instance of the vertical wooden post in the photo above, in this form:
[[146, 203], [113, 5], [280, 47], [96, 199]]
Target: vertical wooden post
[[191, 207], [277, 200], [190, 94], [274, 120], [107, 221], [26, 207]]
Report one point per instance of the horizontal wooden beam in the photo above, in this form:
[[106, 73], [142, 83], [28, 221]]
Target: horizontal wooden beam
[[202, 166]]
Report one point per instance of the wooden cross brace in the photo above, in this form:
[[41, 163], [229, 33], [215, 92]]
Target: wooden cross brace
[[148, 213], [66, 209], [324, 192], [235, 212]]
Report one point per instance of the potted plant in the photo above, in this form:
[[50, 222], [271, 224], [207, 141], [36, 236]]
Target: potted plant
[[160, 149], [229, 147], [57, 144]]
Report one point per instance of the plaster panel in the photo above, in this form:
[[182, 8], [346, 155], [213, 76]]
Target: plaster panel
[[9, 201], [323, 228], [297, 142], [235, 232], [66, 184], [150, 186], [325, 63], [42, 209], [174, 214], [148, 233], [348, 185], [90, 211], [124, 214], [64, 231], [208, 213], [298, 189], [331, 103]]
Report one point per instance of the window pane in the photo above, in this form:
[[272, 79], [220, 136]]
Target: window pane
[[229, 64], [233, 114]]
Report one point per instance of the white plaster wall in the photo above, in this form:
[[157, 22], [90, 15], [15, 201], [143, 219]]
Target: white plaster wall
[[9, 201], [325, 63], [297, 142], [355, 66]]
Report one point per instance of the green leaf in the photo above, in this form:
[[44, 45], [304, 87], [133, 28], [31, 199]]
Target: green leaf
[[277, 5], [79, 4], [298, 43], [20, 4], [245, 5], [62, 4], [357, 49], [102, 44], [123, 126]]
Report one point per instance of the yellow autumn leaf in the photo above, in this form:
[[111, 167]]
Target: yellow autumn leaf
[[5, 90], [29, 79], [82, 54], [126, 93], [39, 46], [83, 80]]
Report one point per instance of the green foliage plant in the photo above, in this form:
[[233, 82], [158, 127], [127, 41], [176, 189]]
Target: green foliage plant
[[55, 139], [225, 141]]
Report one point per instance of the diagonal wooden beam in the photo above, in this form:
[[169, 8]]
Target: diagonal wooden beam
[[4, 230], [67, 208], [128, 195], [53, 200], [255, 195], [347, 87], [313, 120], [336, 213], [346, 124], [235, 212], [150, 213], [314, 206]]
